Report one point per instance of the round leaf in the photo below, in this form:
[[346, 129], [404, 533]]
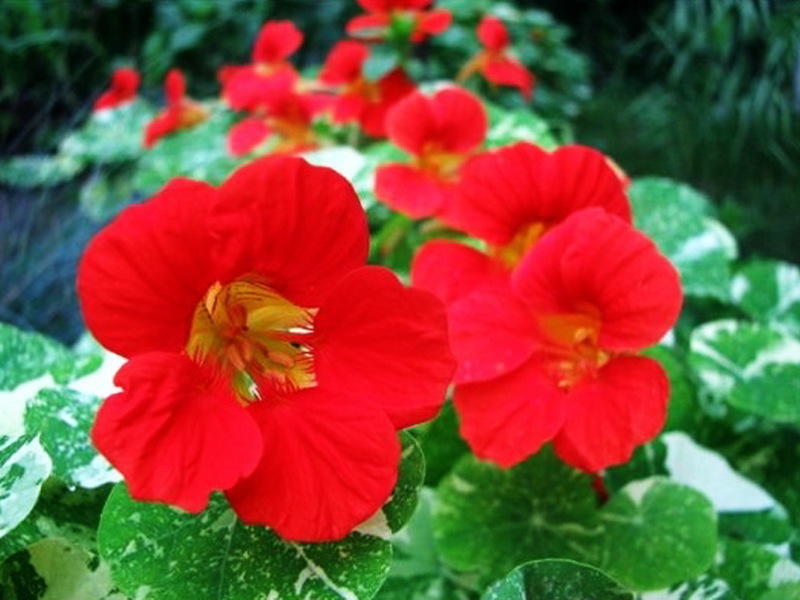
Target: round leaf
[[155, 551], [677, 218], [491, 519], [556, 580], [769, 292], [752, 367], [24, 465], [657, 533]]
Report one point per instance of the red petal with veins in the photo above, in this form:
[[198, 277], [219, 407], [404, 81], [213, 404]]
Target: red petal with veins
[[625, 406], [331, 461], [246, 136], [141, 278], [276, 41], [298, 227], [386, 344], [175, 432], [508, 419], [595, 263], [504, 190]]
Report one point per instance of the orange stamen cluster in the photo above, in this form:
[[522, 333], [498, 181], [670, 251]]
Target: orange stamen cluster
[[252, 333], [573, 346]]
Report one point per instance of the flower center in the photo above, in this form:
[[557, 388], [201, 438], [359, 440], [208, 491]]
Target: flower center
[[255, 336], [438, 162], [523, 240], [572, 346]]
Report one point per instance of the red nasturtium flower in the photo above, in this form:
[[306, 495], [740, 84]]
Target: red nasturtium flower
[[284, 117], [494, 62], [359, 99], [181, 111], [382, 14], [124, 85], [440, 132], [247, 87], [550, 354], [264, 358]]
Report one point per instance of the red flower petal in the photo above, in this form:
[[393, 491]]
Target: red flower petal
[[246, 135], [434, 22], [503, 70], [450, 270], [161, 125], [175, 87], [276, 41], [344, 62], [174, 433], [391, 89], [330, 463], [411, 191], [507, 189], [452, 119], [298, 226], [141, 278], [609, 416], [508, 419], [491, 333], [385, 343], [492, 33], [595, 261]]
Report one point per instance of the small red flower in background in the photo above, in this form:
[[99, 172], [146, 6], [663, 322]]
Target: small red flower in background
[[359, 99], [494, 62], [264, 358], [550, 354], [181, 111], [440, 132], [124, 85], [284, 116], [248, 87], [381, 14]]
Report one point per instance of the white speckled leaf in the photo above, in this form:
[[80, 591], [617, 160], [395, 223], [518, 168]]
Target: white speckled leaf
[[24, 465], [63, 418], [657, 533], [490, 519], [751, 367], [158, 552], [678, 220], [769, 292], [25, 356], [508, 127], [556, 580]]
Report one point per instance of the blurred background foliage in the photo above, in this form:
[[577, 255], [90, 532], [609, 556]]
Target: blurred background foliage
[[704, 91]]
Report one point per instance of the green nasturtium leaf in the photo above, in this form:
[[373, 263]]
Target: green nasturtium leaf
[[752, 367], [789, 591], [63, 418], [24, 466], [381, 60], [155, 551], [752, 570], [678, 220], [441, 443], [683, 413], [490, 519], [197, 153], [508, 127], [110, 135], [557, 580], [417, 572], [403, 501], [30, 171], [69, 514], [657, 533], [25, 356], [769, 292]]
